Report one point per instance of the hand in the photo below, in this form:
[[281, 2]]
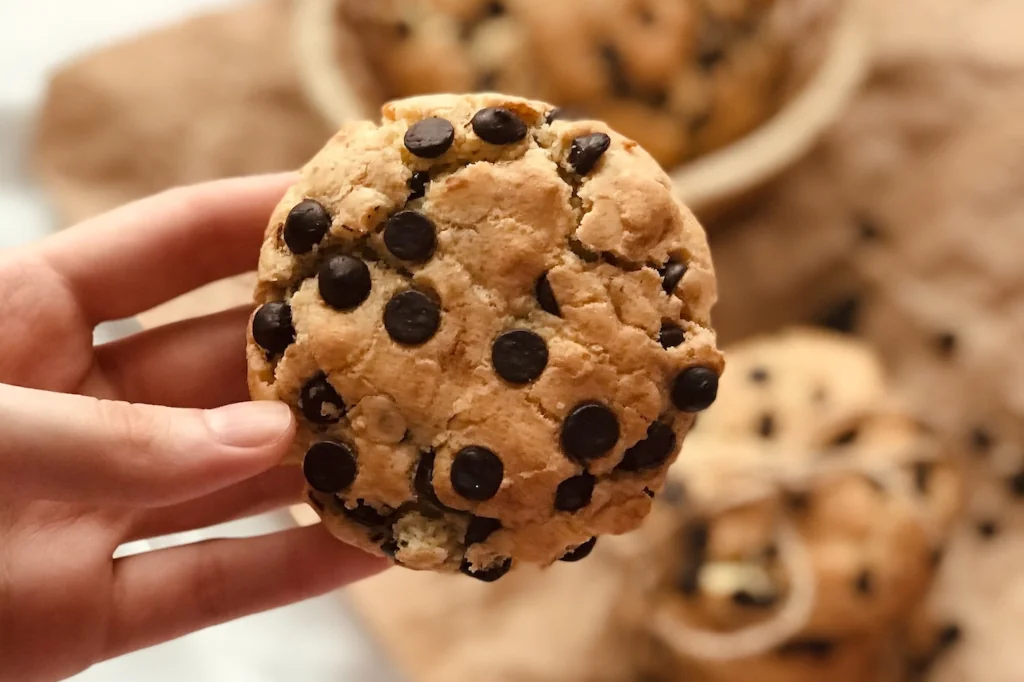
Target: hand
[[128, 440]]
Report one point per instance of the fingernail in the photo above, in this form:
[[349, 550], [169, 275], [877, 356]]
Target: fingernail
[[249, 425]]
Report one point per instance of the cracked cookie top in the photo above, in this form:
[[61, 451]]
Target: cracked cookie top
[[494, 327]]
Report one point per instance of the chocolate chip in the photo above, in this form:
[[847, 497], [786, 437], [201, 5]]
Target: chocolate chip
[[847, 437], [389, 548], [498, 125], [411, 318], [648, 492], [487, 575], [410, 236], [617, 76], [423, 481], [710, 45], [319, 402], [403, 30], [574, 493], [365, 515], [987, 529], [798, 501], [519, 356], [477, 473], [487, 82], [923, 476], [937, 555], [694, 541], [981, 440], [344, 282], [672, 275], [329, 467], [695, 389], [949, 635], [418, 182], [815, 648], [945, 344], [864, 584], [546, 297], [867, 227], [480, 528], [590, 431], [841, 316], [305, 226], [766, 426], [554, 115], [652, 451], [1016, 484], [750, 600], [586, 151], [430, 138], [671, 335], [700, 121], [758, 375], [495, 9], [581, 552], [272, 327]]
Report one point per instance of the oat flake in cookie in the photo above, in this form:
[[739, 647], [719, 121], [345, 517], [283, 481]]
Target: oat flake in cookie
[[474, 346]]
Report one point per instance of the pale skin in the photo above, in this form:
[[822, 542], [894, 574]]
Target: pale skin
[[103, 445]]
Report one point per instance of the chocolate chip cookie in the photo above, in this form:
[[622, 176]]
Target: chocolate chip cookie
[[679, 76], [493, 326]]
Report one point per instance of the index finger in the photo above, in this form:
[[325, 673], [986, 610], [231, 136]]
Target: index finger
[[147, 252]]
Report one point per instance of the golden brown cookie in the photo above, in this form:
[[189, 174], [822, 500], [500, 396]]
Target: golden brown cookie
[[493, 327]]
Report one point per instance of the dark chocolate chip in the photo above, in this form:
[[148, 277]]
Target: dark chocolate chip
[[305, 226], [319, 402], [272, 327], [430, 138], [344, 282], [945, 344], [519, 356], [923, 476], [766, 426], [418, 185], [987, 529], [671, 335], [423, 481], [403, 30], [1015, 484], [867, 227], [590, 431], [695, 389], [847, 437], [938, 554], [554, 115], [758, 375], [815, 648], [329, 467], [412, 318], [656, 99], [390, 548], [480, 528], [487, 575], [750, 600], [652, 451], [545, 296], [949, 635], [365, 515], [410, 236], [710, 44], [672, 275], [864, 584], [586, 151], [574, 493], [617, 76], [648, 492], [798, 501], [495, 8], [581, 552], [477, 473], [498, 125], [841, 316], [981, 440], [771, 552]]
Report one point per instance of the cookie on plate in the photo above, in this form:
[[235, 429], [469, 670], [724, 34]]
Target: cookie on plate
[[493, 326]]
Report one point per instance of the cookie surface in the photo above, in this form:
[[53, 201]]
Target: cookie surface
[[472, 344]]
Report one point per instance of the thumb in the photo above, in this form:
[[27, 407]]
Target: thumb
[[71, 447]]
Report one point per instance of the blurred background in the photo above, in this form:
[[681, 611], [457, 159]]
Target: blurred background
[[859, 168]]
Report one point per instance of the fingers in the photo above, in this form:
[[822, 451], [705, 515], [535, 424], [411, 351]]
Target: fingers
[[70, 447], [145, 253], [270, 490], [198, 362], [165, 594]]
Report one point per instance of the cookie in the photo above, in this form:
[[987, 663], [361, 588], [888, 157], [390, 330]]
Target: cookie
[[464, 304], [679, 77]]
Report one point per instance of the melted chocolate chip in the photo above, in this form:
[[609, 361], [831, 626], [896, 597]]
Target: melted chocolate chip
[[581, 552], [750, 600], [574, 493], [758, 375], [819, 649], [981, 440], [519, 356], [365, 515], [410, 236], [672, 275], [330, 467], [546, 297], [344, 282], [487, 575], [987, 529], [477, 473], [498, 125], [480, 528], [671, 335], [590, 431], [430, 138], [411, 318], [418, 185], [272, 327], [766, 426], [305, 226], [319, 402], [695, 389], [841, 316], [586, 151], [652, 451], [864, 584]]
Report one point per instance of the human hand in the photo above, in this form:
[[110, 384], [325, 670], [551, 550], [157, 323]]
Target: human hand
[[103, 445]]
